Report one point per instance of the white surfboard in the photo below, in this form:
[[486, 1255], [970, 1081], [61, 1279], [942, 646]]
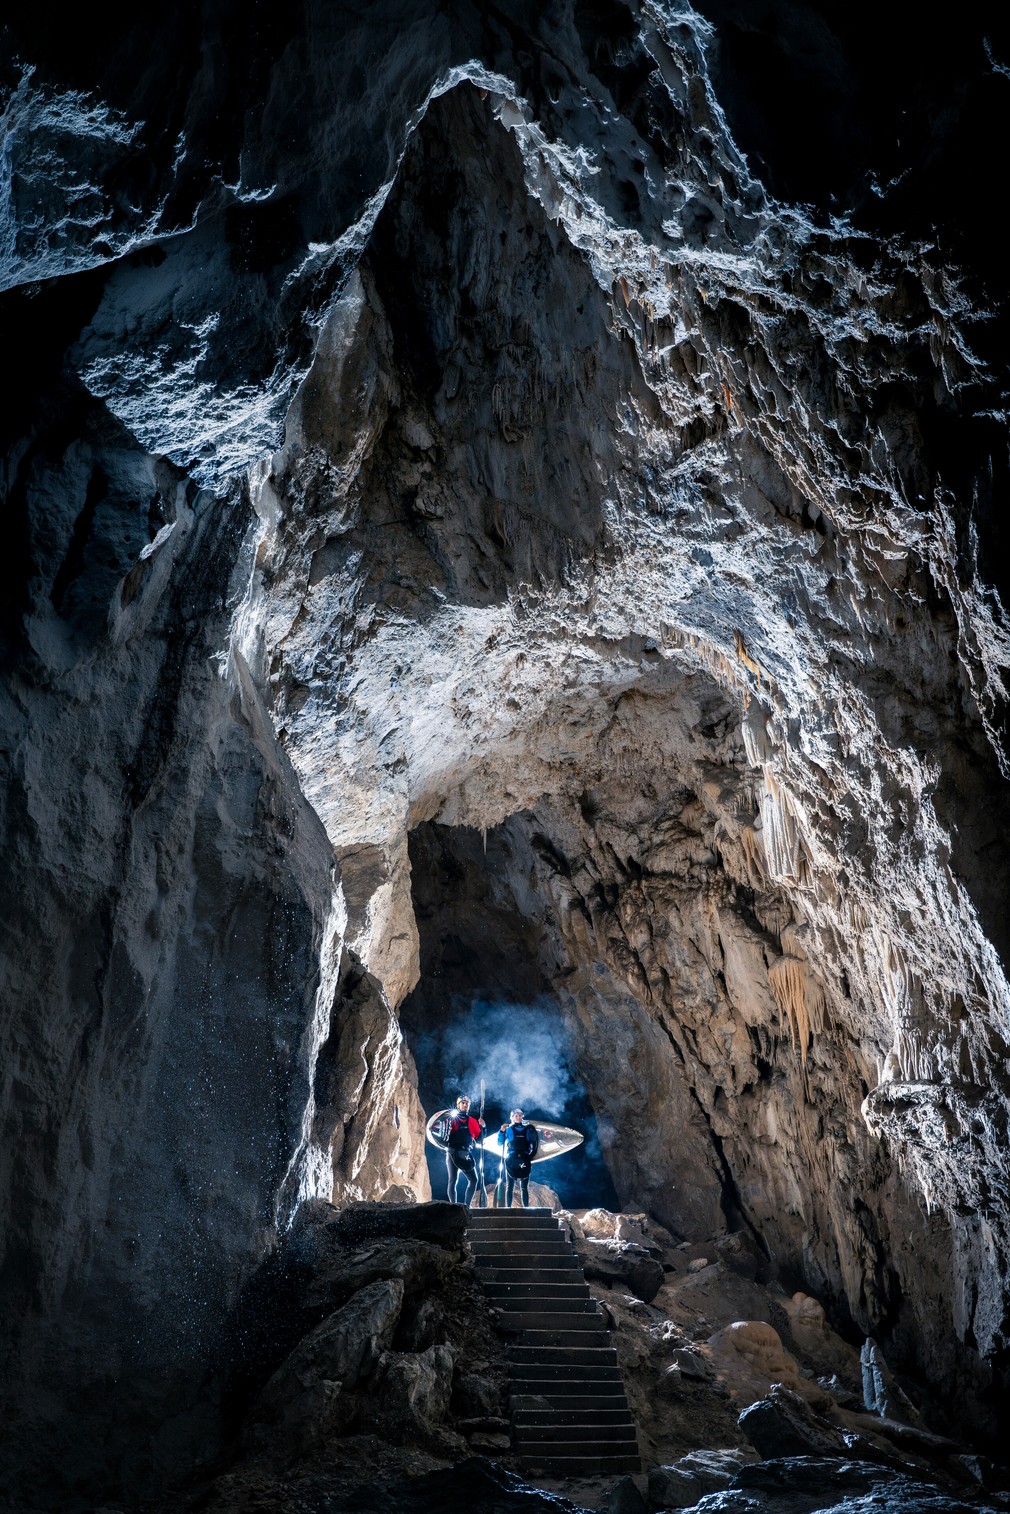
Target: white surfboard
[[555, 1140]]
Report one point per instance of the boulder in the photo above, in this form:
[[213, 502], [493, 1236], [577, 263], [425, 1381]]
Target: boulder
[[632, 1230], [742, 1254], [598, 1224], [815, 1482], [671, 1382], [687, 1366], [749, 1357], [624, 1498], [629, 1266], [414, 1389], [606, 1225], [305, 1399], [692, 1364], [783, 1424], [331, 1272], [490, 1440], [398, 1193], [425, 1327], [438, 1223], [681, 1485], [349, 1343], [484, 1424], [474, 1396], [300, 1418]]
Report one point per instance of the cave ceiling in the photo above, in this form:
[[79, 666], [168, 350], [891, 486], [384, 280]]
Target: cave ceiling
[[556, 449]]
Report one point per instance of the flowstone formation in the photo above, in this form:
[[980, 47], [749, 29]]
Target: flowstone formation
[[456, 482]]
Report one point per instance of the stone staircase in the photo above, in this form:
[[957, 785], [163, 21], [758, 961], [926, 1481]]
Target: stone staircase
[[570, 1416]]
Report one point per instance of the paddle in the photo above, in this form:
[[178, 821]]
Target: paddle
[[499, 1192], [483, 1186]]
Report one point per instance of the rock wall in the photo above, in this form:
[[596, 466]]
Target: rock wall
[[628, 513], [174, 973]]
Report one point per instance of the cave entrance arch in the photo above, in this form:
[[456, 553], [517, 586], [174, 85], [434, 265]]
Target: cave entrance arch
[[485, 1007], [491, 1002]]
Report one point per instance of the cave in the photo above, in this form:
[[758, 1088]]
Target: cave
[[505, 581]]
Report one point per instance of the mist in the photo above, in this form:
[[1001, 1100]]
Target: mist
[[519, 1051]]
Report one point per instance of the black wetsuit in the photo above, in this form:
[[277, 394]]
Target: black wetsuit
[[458, 1161], [520, 1143]]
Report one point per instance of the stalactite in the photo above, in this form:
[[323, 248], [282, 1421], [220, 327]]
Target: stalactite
[[801, 1000]]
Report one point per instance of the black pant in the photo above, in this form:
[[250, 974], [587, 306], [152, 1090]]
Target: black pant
[[459, 1164], [517, 1172]]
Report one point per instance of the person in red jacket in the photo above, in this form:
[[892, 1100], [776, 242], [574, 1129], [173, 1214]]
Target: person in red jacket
[[464, 1129]]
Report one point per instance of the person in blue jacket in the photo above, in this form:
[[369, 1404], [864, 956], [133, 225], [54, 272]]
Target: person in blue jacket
[[520, 1142]]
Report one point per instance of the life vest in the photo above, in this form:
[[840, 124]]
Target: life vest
[[521, 1142], [463, 1129]]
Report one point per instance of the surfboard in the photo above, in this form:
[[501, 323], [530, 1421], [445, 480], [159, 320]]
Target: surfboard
[[437, 1129], [555, 1140]]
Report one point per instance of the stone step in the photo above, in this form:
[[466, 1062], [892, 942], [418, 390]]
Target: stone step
[[547, 1306], [551, 1288], [503, 1216], [557, 1270], [533, 1418], [584, 1332], [549, 1245], [567, 1372], [572, 1330], [573, 1460], [531, 1354], [529, 1269], [535, 1235], [505, 1219], [514, 1230], [596, 1435], [508, 1219], [562, 1394], [510, 1236], [570, 1314], [512, 1216], [535, 1211], [553, 1279]]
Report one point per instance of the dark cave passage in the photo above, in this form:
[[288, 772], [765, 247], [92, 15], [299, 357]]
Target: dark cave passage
[[483, 1009]]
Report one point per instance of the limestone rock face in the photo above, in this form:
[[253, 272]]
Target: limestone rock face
[[302, 1398], [487, 511]]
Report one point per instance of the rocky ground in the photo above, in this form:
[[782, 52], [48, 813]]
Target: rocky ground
[[366, 1373]]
